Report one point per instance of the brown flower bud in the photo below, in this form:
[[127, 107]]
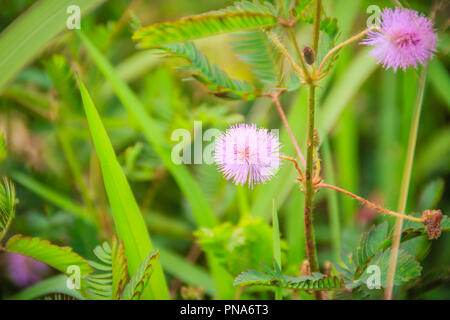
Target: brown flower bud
[[305, 269], [432, 221], [308, 53]]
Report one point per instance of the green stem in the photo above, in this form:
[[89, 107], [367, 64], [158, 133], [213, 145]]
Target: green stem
[[407, 170], [309, 188]]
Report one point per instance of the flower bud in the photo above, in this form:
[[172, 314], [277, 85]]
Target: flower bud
[[432, 221], [308, 53]]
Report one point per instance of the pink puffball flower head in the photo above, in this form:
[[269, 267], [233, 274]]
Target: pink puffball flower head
[[246, 153], [404, 39]]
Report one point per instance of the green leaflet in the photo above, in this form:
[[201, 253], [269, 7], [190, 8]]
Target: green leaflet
[[59, 258], [7, 205], [238, 247], [32, 31], [138, 282], [243, 16], [128, 219], [107, 283], [210, 74], [316, 282], [3, 148]]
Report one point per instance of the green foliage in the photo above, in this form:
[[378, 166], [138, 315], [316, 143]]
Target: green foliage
[[238, 247], [31, 32], [129, 222], [140, 279], [255, 50], [3, 147], [7, 205], [374, 250], [274, 278], [243, 16], [58, 297], [111, 275], [210, 74], [62, 79], [57, 257]]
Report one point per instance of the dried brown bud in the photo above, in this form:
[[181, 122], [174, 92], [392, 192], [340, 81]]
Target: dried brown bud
[[308, 53], [432, 220]]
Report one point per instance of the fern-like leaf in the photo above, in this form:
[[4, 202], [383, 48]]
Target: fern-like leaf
[[98, 285], [140, 279], [243, 16], [316, 281], [3, 148], [7, 205], [111, 272], [210, 74], [57, 257], [255, 50]]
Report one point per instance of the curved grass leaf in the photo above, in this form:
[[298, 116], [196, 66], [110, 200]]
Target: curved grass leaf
[[7, 205], [210, 74], [130, 224], [32, 31], [138, 282], [244, 16], [57, 257]]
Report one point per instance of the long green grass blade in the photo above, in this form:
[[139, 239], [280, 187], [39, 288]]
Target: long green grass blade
[[128, 219], [32, 31]]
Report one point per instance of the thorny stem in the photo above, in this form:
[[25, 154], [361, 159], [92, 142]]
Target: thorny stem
[[309, 186], [405, 184], [276, 99], [341, 45], [368, 203], [293, 160]]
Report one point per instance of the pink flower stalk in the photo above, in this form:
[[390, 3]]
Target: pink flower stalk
[[245, 152], [404, 39], [25, 271]]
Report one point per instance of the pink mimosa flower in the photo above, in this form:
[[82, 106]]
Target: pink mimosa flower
[[246, 153], [404, 39]]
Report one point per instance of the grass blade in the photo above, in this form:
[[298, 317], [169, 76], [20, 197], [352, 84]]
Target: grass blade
[[31, 32], [128, 219]]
